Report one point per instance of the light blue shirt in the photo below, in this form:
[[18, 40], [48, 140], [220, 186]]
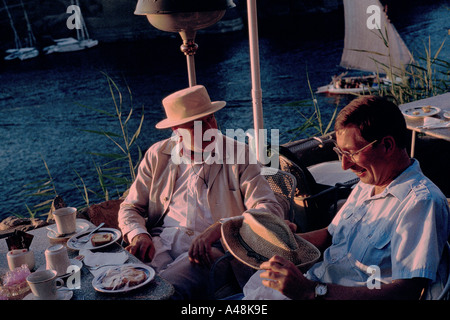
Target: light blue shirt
[[400, 233]]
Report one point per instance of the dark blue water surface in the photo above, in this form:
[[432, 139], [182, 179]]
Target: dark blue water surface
[[42, 118]]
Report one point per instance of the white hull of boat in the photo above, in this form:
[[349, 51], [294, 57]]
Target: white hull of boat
[[70, 45], [331, 89], [22, 53]]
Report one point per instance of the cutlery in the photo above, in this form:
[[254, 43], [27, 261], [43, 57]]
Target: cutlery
[[103, 265], [435, 126], [86, 238]]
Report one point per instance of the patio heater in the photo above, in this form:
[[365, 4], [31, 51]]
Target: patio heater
[[184, 17]]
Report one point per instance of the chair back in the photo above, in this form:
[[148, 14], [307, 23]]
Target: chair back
[[445, 294], [283, 184], [311, 150]]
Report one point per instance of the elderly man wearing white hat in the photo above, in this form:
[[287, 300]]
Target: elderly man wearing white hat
[[172, 213]]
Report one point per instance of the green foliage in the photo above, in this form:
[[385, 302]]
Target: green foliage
[[43, 189], [424, 77], [313, 124], [118, 170]]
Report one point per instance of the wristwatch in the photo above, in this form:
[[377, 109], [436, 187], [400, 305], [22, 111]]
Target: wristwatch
[[320, 290]]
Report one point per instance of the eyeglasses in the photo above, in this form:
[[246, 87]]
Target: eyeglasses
[[349, 155]]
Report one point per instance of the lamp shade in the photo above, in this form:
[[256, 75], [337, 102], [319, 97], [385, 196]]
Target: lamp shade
[[145, 7], [183, 15]]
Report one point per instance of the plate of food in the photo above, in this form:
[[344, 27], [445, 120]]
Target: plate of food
[[421, 111], [100, 239], [123, 278]]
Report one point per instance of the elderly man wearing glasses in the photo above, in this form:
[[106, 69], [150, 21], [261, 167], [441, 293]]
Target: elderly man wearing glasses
[[389, 240]]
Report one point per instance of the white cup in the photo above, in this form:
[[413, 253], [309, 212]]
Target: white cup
[[65, 219], [18, 257], [57, 259], [44, 284]]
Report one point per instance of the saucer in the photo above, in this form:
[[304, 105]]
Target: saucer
[[60, 295], [81, 225]]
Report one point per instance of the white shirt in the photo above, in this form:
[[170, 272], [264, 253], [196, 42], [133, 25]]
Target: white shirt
[[189, 213], [189, 207]]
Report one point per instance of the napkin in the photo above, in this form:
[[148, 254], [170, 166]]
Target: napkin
[[94, 259], [19, 240], [434, 123]]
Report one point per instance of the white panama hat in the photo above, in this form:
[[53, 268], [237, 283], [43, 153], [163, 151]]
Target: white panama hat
[[187, 105]]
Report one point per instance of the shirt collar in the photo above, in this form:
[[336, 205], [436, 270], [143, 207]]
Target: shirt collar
[[403, 184]]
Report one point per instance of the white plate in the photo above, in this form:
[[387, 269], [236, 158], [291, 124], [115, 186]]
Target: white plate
[[82, 225], [73, 244], [150, 273], [418, 112]]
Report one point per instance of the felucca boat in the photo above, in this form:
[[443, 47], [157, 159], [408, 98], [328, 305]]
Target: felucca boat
[[371, 45]]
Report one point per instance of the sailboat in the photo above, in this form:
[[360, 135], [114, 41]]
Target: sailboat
[[70, 44], [20, 52], [367, 50]]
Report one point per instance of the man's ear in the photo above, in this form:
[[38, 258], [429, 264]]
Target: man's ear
[[389, 144]]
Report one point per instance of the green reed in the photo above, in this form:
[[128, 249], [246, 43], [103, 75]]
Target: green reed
[[112, 177]]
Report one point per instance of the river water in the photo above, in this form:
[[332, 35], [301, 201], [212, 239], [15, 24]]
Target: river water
[[42, 117]]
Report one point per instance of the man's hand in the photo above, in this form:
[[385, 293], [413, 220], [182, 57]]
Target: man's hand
[[201, 250], [142, 247], [282, 275]]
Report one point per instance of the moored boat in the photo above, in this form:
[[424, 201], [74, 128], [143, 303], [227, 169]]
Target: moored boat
[[19, 52], [378, 51], [71, 44]]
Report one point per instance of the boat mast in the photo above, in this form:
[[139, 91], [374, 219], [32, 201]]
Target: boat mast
[[82, 34], [11, 21], [31, 39]]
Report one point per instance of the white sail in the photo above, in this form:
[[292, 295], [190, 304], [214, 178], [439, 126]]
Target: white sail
[[363, 45]]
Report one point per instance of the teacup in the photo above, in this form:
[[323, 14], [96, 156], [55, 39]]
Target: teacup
[[57, 259], [18, 257], [44, 284], [65, 219]]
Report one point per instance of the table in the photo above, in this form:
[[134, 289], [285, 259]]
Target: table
[[414, 124], [158, 289]]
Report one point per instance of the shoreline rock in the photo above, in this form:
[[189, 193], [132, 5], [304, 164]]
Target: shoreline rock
[[12, 223]]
